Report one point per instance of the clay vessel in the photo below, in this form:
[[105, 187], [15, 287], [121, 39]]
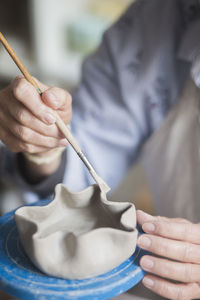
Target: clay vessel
[[78, 235]]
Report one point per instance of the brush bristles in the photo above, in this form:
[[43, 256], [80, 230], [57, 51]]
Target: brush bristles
[[103, 186]]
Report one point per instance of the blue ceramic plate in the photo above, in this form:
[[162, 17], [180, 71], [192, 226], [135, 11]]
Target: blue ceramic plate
[[20, 278]]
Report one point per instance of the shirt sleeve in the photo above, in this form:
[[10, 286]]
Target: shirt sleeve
[[12, 170], [44, 188], [104, 122], [124, 94]]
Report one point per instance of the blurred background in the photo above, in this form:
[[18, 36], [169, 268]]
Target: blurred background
[[53, 37]]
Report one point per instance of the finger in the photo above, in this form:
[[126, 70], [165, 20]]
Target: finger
[[183, 272], [24, 92], [17, 146], [43, 87], [65, 115], [179, 231], [177, 250], [143, 217], [57, 98], [171, 290], [25, 134], [23, 116]]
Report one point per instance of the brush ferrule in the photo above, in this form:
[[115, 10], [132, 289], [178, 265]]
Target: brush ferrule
[[86, 162], [103, 186], [39, 91]]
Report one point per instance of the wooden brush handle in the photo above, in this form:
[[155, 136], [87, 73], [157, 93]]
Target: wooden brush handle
[[17, 61], [67, 133]]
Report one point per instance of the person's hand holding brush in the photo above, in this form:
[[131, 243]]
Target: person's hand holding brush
[[57, 100], [27, 123]]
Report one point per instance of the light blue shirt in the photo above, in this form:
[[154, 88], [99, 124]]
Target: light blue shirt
[[128, 86]]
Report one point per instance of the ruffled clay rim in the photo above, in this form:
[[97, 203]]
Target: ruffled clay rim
[[124, 233]]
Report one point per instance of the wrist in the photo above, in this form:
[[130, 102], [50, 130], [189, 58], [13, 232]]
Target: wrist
[[45, 158], [46, 185], [39, 166]]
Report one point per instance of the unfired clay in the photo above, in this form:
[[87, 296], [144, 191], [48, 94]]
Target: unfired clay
[[78, 235]]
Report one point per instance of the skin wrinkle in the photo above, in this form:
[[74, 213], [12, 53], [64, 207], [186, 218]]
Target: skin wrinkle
[[175, 291], [174, 270], [21, 91], [181, 245], [190, 274], [179, 251], [187, 230], [186, 252]]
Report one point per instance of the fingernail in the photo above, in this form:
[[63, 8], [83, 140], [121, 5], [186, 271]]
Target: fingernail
[[144, 242], [149, 227], [50, 119], [143, 214], [147, 263], [52, 98], [148, 282], [63, 142]]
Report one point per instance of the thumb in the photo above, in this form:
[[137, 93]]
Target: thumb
[[56, 98], [47, 96]]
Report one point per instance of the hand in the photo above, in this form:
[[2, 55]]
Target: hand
[[177, 243], [27, 123]]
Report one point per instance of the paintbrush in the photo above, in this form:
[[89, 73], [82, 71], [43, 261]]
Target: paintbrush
[[59, 122]]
